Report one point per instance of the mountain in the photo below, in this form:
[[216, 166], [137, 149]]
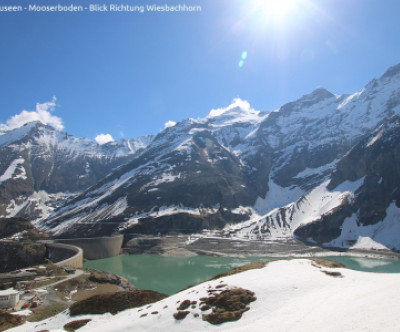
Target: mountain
[[40, 167], [374, 211], [302, 170]]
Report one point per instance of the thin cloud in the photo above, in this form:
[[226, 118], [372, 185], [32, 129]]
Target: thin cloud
[[103, 139], [42, 114]]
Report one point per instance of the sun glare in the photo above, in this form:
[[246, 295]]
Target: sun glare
[[276, 10]]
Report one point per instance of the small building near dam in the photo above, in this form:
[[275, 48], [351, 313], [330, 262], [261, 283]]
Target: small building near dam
[[9, 298]]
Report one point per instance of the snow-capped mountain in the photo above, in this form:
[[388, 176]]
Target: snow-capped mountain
[[255, 174], [41, 167]]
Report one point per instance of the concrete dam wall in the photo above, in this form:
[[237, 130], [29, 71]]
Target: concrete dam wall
[[65, 254], [97, 247]]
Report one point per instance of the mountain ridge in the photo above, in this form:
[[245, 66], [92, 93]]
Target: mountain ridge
[[53, 166], [238, 170]]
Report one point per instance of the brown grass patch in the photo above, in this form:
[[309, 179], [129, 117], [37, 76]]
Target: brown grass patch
[[98, 289], [327, 263], [80, 282], [251, 266], [115, 302], [8, 321], [93, 283], [41, 283], [43, 312]]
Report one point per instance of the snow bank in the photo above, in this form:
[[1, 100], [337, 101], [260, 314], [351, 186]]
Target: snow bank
[[292, 295]]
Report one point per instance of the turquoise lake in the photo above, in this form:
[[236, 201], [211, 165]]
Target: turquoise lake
[[171, 274]]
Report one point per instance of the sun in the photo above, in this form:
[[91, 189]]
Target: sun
[[276, 10]]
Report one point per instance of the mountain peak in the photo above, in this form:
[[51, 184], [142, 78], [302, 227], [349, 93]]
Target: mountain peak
[[27, 126], [392, 71], [316, 96], [307, 100], [7, 135]]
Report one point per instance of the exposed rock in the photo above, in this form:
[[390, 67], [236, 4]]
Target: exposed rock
[[229, 305], [17, 255], [180, 315], [184, 305], [76, 324], [11, 226]]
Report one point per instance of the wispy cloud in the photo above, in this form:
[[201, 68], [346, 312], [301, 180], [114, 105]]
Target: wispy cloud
[[103, 139], [169, 124], [42, 114]]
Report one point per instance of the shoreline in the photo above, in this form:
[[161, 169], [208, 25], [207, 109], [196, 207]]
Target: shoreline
[[183, 246]]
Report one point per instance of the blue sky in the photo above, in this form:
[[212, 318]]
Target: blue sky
[[127, 74]]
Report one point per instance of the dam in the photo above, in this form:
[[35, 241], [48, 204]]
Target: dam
[[96, 247], [65, 254]]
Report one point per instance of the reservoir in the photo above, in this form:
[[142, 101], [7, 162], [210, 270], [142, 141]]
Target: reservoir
[[171, 274]]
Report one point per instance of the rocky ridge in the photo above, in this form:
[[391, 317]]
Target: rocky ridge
[[256, 175]]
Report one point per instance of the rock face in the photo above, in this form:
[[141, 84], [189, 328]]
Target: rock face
[[16, 255], [16, 226], [253, 174]]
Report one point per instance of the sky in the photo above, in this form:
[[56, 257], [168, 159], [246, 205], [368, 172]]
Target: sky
[[129, 74]]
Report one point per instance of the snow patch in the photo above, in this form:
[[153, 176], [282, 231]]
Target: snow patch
[[382, 235], [365, 242], [277, 196], [161, 211], [317, 171], [15, 170], [375, 138], [164, 178], [281, 222]]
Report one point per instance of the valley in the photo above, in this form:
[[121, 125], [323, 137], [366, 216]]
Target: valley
[[317, 177]]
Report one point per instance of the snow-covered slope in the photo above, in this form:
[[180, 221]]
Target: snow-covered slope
[[41, 167], [283, 221], [291, 295]]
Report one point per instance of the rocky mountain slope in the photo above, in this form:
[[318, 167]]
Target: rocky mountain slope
[[314, 161], [374, 211], [40, 167]]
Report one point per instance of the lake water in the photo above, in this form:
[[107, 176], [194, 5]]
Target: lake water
[[171, 274]]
